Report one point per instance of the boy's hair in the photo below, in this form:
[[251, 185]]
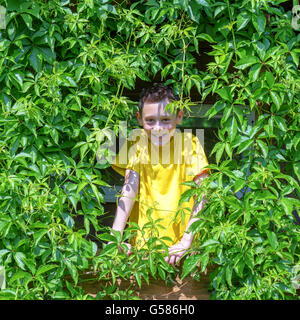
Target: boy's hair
[[156, 93]]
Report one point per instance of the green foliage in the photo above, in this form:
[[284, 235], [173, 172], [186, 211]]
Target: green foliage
[[64, 68]]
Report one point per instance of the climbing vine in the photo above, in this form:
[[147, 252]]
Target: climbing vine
[[66, 71]]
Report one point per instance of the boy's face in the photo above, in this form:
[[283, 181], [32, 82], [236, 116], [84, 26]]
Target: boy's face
[[158, 124]]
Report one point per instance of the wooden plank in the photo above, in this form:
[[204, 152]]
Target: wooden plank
[[158, 289]]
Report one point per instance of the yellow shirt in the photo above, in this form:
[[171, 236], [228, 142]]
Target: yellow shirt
[[161, 169]]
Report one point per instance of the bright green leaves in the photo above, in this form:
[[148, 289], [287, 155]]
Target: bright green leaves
[[270, 79], [19, 259], [246, 62], [186, 196], [272, 238], [232, 128], [276, 99], [242, 20], [259, 22], [264, 147], [290, 204], [244, 145], [254, 72], [225, 93], [190, 264], [61, 83]]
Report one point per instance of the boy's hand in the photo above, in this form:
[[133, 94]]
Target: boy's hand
[[176, 252], [128, 250]]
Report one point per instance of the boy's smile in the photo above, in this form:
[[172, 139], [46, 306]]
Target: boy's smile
[[159, 125]]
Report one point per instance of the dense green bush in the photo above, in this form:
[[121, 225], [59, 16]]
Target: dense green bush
[[65, 67]]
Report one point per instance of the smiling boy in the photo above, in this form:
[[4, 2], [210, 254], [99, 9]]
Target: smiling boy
[[159, 161]]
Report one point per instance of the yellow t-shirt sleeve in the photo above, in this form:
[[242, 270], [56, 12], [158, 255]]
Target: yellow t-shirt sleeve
[[127, 158], [197, 161], [132, 153]]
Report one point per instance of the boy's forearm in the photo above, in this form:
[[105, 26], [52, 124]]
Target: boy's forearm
[[188, 237], [124, 208], [126, 201]]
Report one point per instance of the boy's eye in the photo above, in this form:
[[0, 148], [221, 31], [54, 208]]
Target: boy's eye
[[166, 120]]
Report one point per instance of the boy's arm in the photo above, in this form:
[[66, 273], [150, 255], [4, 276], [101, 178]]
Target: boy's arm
[[179, 249], [126, 201]]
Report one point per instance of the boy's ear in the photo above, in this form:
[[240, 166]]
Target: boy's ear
[[139, 117], [179, 116]]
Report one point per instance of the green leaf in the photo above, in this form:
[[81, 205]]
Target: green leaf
[[264, 195], [254, 72], [69, 221], [263, 147], [228, 275], [209, 242], [203, 3], [246, 62], [287, 205], [206, 37], [97, 194], [86, 223], [54, 135], [294, 55], [18, 77], [232, 128], [19, 258], [35, 60], [240, 114], [190, 264], [117, 234], [83, 150], [296, 167], [73, 270], [138, 278], [107, 237], [4, 43], [239, 268], [20, 275], [259, 22], [225, 93], [28, 20], [220, 152], [270, 79], [15, 146], [78, 73], [276, 99], [45, 268], [109, 8], [244, 145], [242, 20], [186, 196], [239, 184], [281, 123], [272, 239], [37, 236], [228, 150], [261, 49], [47, 54], [152, 265]]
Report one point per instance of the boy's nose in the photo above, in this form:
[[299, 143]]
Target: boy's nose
[[157, 127]]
